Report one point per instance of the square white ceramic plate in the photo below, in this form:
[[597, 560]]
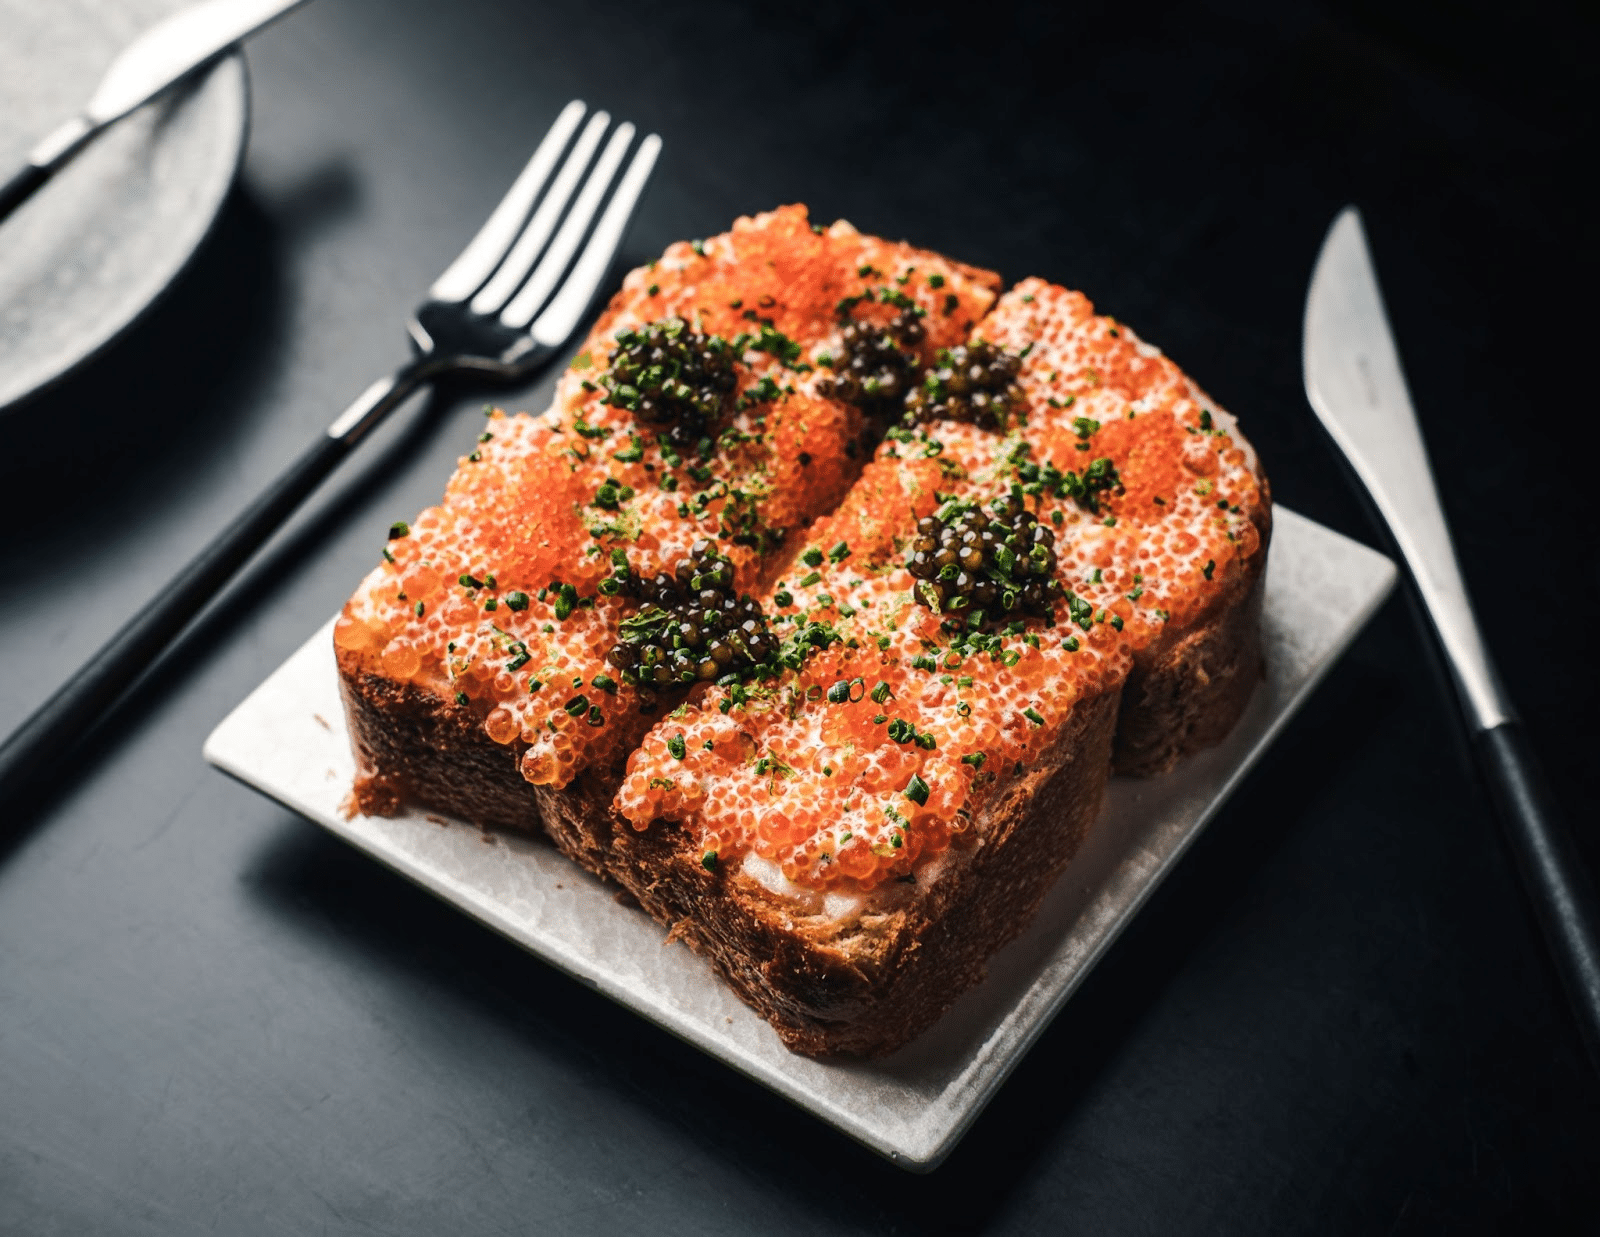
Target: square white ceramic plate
[[288, 739]]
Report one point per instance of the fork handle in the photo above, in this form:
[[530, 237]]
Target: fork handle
[[19, 187], [32, 757]]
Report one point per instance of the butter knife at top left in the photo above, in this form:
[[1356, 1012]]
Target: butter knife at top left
[[160, 57]]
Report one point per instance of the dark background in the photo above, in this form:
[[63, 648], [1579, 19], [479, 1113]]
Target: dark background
[[1334, 1017]]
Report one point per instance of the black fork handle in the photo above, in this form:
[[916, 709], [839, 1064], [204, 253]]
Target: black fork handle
[[33, 756], [19, 188], [48, 157]]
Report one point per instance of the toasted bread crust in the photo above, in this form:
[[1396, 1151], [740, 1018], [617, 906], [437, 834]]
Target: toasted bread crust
[[864, 985], [412, 746]]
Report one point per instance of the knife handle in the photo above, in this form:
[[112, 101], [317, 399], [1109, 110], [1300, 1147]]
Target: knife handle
[[1552, 871], [20, 187]]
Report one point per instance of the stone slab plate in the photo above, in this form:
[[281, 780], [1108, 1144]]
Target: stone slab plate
[[289, 740], [98, 244]]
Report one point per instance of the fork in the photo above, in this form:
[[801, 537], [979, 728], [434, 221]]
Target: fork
[[503, 309]]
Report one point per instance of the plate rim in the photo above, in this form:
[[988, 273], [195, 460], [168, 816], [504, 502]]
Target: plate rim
[[233, 63]]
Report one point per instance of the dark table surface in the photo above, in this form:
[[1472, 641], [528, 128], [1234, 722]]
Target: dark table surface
[[1335, 1015]]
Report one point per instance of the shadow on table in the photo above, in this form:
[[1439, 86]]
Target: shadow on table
[[317, 886]]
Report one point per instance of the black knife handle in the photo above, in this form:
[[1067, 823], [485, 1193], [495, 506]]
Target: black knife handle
[[1562, 894], [17, 190]]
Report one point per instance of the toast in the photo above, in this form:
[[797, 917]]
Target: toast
[[840, 714]]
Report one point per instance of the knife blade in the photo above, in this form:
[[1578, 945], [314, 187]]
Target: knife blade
[[1357, 388], [160, 57]]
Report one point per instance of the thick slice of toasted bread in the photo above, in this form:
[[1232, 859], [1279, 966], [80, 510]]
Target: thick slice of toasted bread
[[847, 862]]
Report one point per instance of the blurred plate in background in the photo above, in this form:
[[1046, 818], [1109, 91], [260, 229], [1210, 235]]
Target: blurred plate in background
[[96, 246]]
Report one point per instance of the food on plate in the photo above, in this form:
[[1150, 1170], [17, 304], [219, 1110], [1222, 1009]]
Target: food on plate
[[817, 610]]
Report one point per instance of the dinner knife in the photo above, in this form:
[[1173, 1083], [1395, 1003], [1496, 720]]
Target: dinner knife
[[161, 56], [1355, 384]]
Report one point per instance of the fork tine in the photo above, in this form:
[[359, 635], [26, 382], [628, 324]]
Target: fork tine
[[531, 243], [553, 265], [477, 261], [566, 310]]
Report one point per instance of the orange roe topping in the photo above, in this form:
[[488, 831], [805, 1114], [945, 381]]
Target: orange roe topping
[[493, 599], [884, 746]]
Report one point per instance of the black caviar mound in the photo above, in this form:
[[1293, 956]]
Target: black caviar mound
[[672, 377], [987, 563], [692, 626], [974, 382], [876, 366]]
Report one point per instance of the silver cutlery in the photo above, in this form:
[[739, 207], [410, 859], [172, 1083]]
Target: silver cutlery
[[1354, 382], [160, 57], [503, 309]]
